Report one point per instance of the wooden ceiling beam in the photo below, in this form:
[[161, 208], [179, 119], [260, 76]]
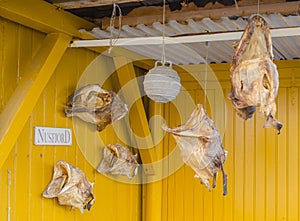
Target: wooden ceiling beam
[[87, 3], [44, 17], [74, 4], [151, 14]]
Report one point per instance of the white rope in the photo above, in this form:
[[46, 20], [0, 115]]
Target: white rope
[[205, 77], [236, 4], [163, 57], [112, 40], [258, 7]]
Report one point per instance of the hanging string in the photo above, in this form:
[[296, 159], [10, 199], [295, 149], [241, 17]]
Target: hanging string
[[163, 57], [205, 77], [258, 7], [236, 4], [112, 40]]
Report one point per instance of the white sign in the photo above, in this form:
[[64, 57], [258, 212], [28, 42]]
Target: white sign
[[52, 136]]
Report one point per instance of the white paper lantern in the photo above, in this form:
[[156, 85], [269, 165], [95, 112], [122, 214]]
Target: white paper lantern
[[162, 83]]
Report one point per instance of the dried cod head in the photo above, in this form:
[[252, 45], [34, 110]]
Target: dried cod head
[[254, 76], [118, 160], [70, 185], [96, 105], [201, 147]]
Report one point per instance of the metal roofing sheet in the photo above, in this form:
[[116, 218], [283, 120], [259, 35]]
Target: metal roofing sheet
[[194, 53]]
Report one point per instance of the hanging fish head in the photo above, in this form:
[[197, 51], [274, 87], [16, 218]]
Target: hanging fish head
[[118, 159], [254, 76], [70, 185], [201, 146], [271, 122], [95, 105], [243, 110], [255, 42]]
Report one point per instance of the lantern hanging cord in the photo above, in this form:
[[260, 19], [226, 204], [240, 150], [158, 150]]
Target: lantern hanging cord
[[163, 33], [258, 7], [112, 41], [206, 69], [236, 4]]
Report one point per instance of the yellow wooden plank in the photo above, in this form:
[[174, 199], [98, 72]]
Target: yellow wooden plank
[[7, 185], [260, 169], [249, 157], [270, 174], [208, 213], [22, 176], [23, 100], [216, 111], [40, 117], [44, 17], [179, 194], [180, 177], [165, 190], [135, 196], [9, 50], [49, 119], [2, 194], [281, 161], [204, 197], [153, 190], [189, 185], [229, 163], [239, 160], [171, 186], [292, 156], [198, 214], [60, 84]]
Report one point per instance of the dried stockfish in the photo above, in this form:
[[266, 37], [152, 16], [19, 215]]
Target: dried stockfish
[[96, 105], [118, 159], [70, 185], [201, 147], [254, 76]]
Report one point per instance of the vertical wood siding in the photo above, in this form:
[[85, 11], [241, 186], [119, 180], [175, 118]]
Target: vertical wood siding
[[32, 166], [263, 168]]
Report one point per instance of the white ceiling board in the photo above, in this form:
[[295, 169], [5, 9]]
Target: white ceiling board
[[224, 36]]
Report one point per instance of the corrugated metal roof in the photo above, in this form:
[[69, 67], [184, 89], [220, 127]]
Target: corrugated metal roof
[[285, 48]]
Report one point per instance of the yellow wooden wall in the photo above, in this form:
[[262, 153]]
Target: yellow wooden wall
[[30, 166], [263, 168]]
